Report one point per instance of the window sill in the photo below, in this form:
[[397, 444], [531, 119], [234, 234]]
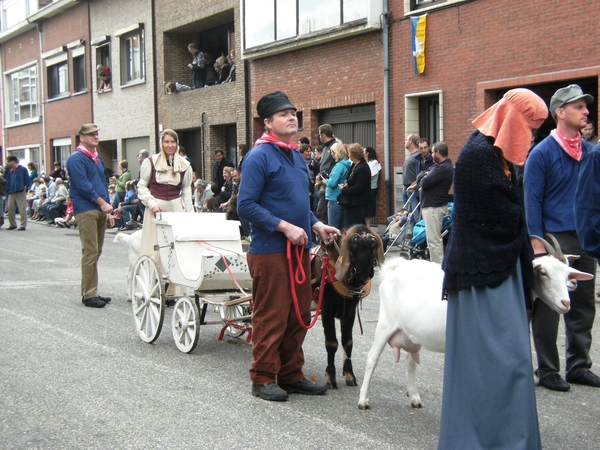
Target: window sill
[[309, 40], [75, 94], [22, 122], [58, 97], [432, 7], [133, 83], [104, 91]]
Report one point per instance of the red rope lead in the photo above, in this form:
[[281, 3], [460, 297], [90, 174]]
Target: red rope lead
[[299, 278]]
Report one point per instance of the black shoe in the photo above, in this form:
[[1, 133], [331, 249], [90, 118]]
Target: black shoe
[[269, 391], [589, 378], [554, 382], [304, 387], [94, 302], [20, 229], [105, 299], [11, 228]]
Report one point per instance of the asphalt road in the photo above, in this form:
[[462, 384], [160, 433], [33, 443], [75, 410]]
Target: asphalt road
[[76, 377]]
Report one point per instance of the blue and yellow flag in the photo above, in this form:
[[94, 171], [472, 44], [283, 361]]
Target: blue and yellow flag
[[419, 26]]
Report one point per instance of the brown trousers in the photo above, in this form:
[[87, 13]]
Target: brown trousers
[[277, 336], [91, 225]]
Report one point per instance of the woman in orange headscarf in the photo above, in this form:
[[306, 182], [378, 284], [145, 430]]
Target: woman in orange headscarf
[[489, 393]]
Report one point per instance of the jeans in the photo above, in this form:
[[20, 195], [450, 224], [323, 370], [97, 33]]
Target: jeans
[[127, 210], [334, 213]]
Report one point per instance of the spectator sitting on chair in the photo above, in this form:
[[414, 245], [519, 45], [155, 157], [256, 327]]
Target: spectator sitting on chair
[[56, 206], [128, 206]]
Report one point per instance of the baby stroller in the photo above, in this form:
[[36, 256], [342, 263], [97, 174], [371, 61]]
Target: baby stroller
[[402, 240], [417, 248]]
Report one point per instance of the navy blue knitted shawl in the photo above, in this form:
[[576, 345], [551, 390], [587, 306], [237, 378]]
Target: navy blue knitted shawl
[[489, 232]]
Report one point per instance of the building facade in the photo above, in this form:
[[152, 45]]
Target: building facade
[[122, 39], [45, 66], [212, 117]]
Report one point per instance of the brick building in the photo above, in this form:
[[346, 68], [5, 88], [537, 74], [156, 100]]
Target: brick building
[[328, 58], [45, 48], [213, 117], [475, 51], [122, 39]]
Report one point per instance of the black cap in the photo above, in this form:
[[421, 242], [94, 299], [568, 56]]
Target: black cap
[[272, 103]]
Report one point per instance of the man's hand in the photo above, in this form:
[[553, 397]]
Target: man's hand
[[111, 220], [156, 209], [295, 234], [412, 187], [106, 208], [538, 247], [327, 233]]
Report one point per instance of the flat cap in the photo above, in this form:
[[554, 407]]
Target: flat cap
[[87, 128], [272, 103], [567, 95]]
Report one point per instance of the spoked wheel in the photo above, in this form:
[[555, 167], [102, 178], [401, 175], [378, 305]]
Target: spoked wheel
[[232, 312], [147, 299], [186, 325]]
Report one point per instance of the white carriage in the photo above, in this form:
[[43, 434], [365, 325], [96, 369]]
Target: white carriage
[[199, 252]]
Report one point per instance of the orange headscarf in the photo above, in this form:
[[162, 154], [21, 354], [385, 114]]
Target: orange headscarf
[[510, 122]]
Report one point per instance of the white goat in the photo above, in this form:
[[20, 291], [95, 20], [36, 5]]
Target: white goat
[[133, 242], [412, 314]]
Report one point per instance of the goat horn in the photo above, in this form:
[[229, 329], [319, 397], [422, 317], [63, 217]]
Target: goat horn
[[556, 244], [547, 246]]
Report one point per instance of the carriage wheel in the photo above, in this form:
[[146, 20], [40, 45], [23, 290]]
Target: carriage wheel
[[147, 299], [232, 312], [186, 325]]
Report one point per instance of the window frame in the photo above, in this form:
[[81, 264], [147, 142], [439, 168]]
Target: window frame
[[58, 79], [369, 22], [34, 102], [128, 57], [78, 69], [415, 116], [102, 54]]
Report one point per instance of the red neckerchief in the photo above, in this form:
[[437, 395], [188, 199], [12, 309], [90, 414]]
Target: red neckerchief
[[572, 145], [87, 153], [268, 138]]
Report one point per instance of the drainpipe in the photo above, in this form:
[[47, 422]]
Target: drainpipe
[[3, 111], [42, 84], [154, 74], [386, 112], [203, 146]]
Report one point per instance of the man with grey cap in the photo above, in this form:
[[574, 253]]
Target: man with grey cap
[[550, 183], [92, 210], [275, 203]]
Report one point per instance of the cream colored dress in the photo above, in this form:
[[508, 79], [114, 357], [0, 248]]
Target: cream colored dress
[[165, 174]]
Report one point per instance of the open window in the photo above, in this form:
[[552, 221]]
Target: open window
[[102, 50], [424, 115]]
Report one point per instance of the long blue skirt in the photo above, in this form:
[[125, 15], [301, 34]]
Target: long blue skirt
[[489, 393]]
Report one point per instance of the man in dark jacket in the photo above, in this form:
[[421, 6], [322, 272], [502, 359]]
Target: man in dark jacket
[[220, 163], [434, 185], [17, 183]]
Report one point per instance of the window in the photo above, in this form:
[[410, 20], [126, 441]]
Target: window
[[23, 94], [276, 20], [132, 57], [425, 115], [102, 57], [79, 80], [61, 150], [58, 80]]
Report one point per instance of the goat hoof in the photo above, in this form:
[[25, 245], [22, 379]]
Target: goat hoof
[[416, 405], [351, 382], [364, 407], [331, 385]]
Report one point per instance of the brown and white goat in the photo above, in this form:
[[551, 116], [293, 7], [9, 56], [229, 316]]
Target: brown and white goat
[[360, 251]]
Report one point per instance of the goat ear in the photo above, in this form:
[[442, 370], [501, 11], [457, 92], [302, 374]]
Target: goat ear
[[572, 258], [342, 265], [575, 274], [379, 256]]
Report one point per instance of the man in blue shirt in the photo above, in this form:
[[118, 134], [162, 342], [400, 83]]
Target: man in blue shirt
[[272, 197], [89, 194], [550, 182], [17, 183]]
